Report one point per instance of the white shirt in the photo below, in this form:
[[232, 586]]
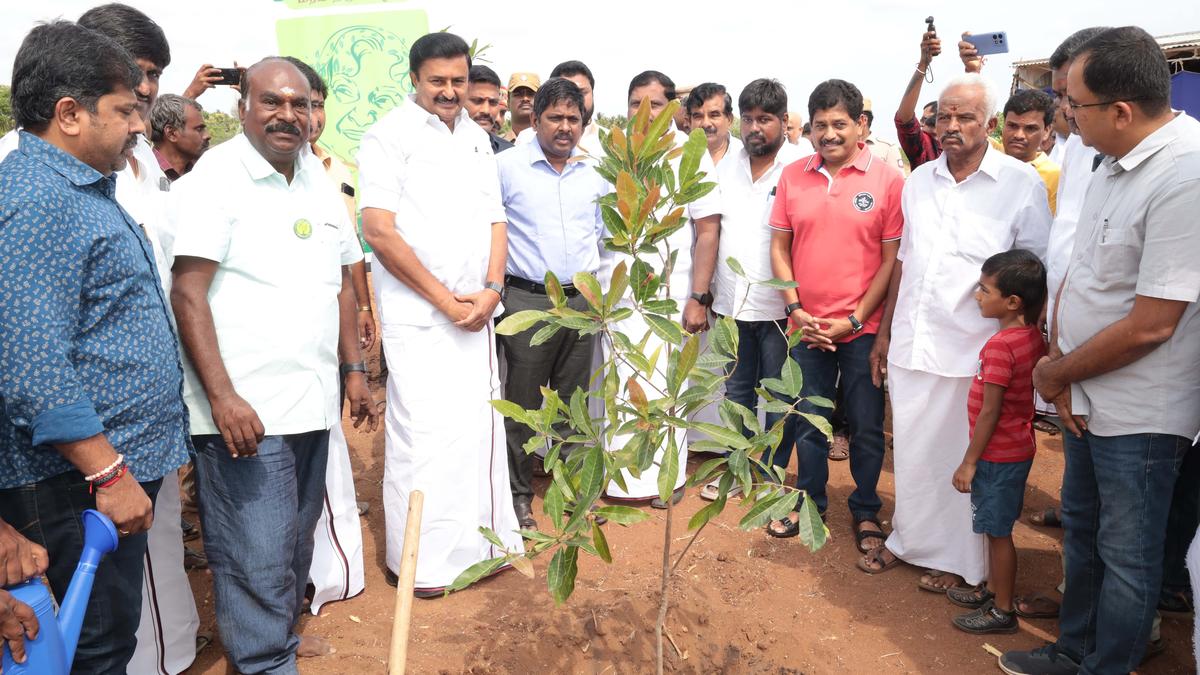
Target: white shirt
[[949, 230], [143, 195], [589, 140], [735, 146], [9, 143], [280, 249], [682, 240], [1073, 180], [746, 206], [1060, 147], [443, 187]]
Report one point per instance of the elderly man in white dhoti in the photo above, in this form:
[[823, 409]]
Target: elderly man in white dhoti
[[691, 277], [970, 203], [432, 213]]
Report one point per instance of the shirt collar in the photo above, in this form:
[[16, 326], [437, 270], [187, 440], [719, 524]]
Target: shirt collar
[[1157, 140], [990, 166], [323, 155], [862, 161], [256, 165], [59, 160], [416, 113], [536, 154]]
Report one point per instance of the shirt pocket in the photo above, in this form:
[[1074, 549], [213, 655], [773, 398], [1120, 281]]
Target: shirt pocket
[[1118, 251]]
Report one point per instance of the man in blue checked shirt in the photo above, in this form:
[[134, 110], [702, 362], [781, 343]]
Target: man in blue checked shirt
[[554, 225], [91, 409]]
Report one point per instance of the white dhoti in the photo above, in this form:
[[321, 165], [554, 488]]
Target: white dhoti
[[932, 524], [444, 439], [166, 636], [337, 563], [645, 486]]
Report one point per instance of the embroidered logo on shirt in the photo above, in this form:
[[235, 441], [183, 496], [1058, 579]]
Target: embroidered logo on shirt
[[864, 201], [302, 228]]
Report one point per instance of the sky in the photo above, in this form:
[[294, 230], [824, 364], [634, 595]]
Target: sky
[[872, 43]]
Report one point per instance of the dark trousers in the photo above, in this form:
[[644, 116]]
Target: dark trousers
[[259, 513], [563, 363], [864, 416], [762, 350], [1115, 498], [49, 513], [1182, 523]]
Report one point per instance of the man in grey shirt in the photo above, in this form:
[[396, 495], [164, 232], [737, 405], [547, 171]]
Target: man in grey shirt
[[1123, 361]]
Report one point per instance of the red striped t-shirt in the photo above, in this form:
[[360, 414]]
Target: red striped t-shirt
[[1007, 360]]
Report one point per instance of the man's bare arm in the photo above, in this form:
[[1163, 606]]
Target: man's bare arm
[[931, 46]]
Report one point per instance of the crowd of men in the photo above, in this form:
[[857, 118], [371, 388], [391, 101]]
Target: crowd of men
[[166, 303]]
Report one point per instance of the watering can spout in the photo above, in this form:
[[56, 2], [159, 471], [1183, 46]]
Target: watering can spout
[[99, 538]]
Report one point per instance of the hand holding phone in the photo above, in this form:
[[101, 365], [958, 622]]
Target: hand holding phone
[[230, 76]]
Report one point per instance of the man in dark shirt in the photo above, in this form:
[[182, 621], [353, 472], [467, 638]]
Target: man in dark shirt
[[483, 104], [91, 408], [179, 134]]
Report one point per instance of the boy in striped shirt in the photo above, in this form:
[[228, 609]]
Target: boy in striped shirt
[[1012, 289]]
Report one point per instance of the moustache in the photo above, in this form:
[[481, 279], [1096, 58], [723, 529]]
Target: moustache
[[130, 143], [284, 128], [442, 100], [951, 136], [756, 137], [826, 144]]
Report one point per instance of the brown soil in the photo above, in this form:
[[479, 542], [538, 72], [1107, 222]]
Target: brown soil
[[743, 603]]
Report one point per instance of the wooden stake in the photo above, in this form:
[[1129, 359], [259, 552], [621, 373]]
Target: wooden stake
[[402, 615]]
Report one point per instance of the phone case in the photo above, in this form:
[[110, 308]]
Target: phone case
[[994, 42]]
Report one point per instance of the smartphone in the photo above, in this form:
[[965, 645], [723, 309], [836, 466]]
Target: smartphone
[[989, 43], [230, 76]]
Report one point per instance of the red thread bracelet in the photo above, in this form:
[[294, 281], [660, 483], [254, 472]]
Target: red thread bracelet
[[121, 471]]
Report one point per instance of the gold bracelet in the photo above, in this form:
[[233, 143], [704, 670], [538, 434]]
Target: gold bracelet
[[364, 308]]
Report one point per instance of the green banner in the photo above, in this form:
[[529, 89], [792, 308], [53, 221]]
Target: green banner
[[320, 4], [363, 59]]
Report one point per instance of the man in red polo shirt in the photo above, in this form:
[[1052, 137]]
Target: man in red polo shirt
[[836, 227]]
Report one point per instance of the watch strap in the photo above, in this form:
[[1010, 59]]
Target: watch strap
[[792, 308], [493, 286]]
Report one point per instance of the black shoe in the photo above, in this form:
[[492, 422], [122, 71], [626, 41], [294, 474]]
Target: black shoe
[[987, 619], [1042, 661], [676, 497], [524, 509]]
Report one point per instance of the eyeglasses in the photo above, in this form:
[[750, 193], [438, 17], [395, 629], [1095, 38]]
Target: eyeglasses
[[1077, 106]]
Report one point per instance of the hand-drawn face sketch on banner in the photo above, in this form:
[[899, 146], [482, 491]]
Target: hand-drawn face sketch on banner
[[363, 59]]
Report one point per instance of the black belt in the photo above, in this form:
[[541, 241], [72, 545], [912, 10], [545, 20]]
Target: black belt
[[569, 290]]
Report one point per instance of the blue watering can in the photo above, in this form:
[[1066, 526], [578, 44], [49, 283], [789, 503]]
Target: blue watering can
[[54, 649]]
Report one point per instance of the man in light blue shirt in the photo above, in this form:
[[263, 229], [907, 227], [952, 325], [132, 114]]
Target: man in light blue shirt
[[554, 226]]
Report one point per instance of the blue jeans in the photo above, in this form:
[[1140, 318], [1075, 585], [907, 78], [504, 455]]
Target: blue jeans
[[864, 416], [1182, 523], [259, 514], [762, 350], [1115, 498], [48, 513]]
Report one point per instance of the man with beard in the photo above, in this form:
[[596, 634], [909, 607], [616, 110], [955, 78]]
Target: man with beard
[[432, 213], [179, 134], [264, 393], [483, 104], [969, 204], [521, 89], [710, 107], [836, 226], [748, 178], [690, 282], [554, 226], [581, 75], [91, 414]]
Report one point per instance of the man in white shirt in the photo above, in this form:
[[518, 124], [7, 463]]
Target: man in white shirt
[[747, 177], [432, 213], [690, 281], [970, 203], [1125, 340], [554, 226], [710, 107], [264, 306]]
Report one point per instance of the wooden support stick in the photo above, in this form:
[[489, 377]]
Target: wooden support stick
[[402, 615]]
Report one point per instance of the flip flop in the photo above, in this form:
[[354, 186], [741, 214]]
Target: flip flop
[[839, 453], [1040, 598], [1046, 518], [875, 555], [933, 588]]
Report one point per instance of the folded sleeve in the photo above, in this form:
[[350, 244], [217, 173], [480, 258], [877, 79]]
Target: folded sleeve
[[381, 170], [201, 227]]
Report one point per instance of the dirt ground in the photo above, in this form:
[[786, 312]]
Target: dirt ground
[[745, 602]]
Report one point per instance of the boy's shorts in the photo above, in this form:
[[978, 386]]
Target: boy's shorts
[[997, 495]]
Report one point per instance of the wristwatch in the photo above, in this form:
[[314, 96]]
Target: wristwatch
[[347, 368], [792, 308], [855, 325], [705, 298], [493, 286]]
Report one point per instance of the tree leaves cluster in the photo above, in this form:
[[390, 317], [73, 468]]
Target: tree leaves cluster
[[653, 179]]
